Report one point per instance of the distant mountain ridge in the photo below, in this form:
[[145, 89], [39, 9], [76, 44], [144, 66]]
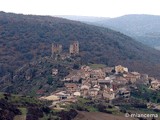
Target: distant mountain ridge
[[144, 28]]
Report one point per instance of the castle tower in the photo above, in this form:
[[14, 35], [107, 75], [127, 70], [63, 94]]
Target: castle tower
[[74, 47], [56, 49]]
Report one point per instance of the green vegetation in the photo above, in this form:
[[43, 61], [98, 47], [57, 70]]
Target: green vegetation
[[146, 94], [1, 95], [19, 107], [50, 80], [20, 117], [94, 106], [23, 110], [138, 101], [41, 82], [33, 108], [83, 105]]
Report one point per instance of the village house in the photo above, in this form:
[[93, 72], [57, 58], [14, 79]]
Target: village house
[[84, 90], [67, 79], [120, 69], [51, 98], [155, 85], [121, 79], [93, 82], [77, 93], [108, 94], [71, 87], [115, 86], [69, 100], [144, 77], [54, 72], [64, 56], [118, 84], [86, 75], [62, 95], [93, 92], [108, 70], [112, 77], [105, 83], [136, 74], [86, 68], [133, 87], [123, 93], [96, 87], [131, 77], [80, 73], [57, 96], [108, 78], [76, 79], [150, 79], [98, 74], [72, 79]]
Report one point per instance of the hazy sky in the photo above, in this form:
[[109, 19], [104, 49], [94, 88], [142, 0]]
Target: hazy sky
[[104, 8]]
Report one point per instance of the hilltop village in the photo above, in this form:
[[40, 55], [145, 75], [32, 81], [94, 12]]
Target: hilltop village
[[107, 83]]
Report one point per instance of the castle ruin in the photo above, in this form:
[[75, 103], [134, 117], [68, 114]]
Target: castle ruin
[[56, 49], [74, 47]]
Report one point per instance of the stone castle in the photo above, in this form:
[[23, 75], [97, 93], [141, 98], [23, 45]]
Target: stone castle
[[57, 48], [74, 47]]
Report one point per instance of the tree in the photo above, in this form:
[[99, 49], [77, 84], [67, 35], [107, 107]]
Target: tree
[[50, 80]]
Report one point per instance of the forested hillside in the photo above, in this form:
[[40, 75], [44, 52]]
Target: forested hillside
[[25, 39]]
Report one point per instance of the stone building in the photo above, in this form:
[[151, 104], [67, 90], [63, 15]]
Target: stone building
[[54, 72], [56, 49], [98, 74], [71, 87], [155, 85], [123, 93], [121, 69], [74, 47]]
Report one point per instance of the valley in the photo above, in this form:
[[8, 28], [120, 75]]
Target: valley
[[58, 69]]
